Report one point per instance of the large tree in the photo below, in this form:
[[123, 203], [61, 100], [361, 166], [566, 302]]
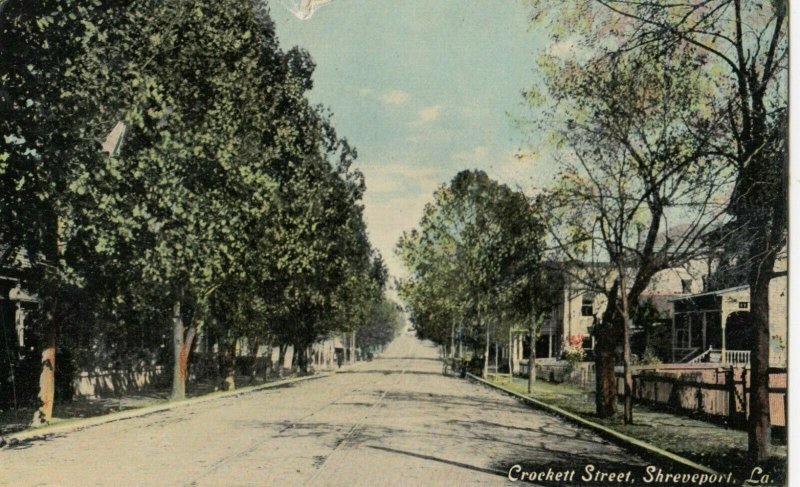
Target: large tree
[[219, 196], [43, 155], [640, 186], [473, 261], [744, 48]]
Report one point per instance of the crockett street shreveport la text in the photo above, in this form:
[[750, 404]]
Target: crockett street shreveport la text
[[651, 474]]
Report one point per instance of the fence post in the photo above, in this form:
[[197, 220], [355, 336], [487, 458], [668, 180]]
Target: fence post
[[655, 390], [744, 395], [786, 409], [731, 386], [699, 398]]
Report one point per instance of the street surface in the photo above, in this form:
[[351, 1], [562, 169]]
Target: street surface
[[393, 421]]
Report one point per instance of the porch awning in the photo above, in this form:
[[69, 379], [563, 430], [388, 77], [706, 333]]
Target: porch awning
[[708, 301]]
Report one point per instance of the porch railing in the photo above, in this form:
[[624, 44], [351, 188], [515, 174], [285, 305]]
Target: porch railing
[[687, 355], [735, 357], [701, 357]]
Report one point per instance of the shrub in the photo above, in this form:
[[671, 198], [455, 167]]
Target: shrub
[[574, 352]]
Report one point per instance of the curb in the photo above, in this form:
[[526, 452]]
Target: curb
[[76, 425], [604, 431]]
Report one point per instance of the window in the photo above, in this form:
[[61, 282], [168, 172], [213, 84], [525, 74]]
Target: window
[[587, 305], [744, 304], [686, 286]]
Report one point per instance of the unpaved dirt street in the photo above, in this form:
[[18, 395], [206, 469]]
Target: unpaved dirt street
[[393, 421]]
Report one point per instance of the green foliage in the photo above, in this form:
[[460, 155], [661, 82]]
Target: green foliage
[[574, 354], [228, 191], [384, 322], [475, 258], [649, 357]]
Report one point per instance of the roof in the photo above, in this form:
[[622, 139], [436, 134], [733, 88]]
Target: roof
[[711, 293]]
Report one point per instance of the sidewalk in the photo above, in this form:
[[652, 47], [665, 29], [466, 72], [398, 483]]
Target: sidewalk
[[708, 444], [17, 420]]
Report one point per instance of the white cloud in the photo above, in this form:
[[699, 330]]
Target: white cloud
[[428, 114], [392, 97], [395, 97]]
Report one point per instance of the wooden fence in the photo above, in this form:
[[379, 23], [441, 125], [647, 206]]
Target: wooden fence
[[720, 393], [111, 382], [726, 397]]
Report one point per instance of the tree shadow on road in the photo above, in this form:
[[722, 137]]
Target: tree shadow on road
[[30, 442], [551, 428], [409, 358], [436, 459], [451, 400], [389, 372]]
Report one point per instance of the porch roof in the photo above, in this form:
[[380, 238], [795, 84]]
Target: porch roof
[[720, 292]]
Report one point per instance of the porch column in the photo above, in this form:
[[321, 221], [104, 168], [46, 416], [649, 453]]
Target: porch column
[[512, 351], [19, 323], [674, 338], [704, 332]]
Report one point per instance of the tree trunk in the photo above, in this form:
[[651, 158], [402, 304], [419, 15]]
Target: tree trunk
[[453, 340], [254, 360], [352, 347], [47, 377], [282, 348], [510, 353], [532, 357], [606, 334], [302, 359], [496, 357], [606, 393], [181, 344], [228, 359], [295, 358], [626, 354], [758, 431], [269, 364], [485, 373]]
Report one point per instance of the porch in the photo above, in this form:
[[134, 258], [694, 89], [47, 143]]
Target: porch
[[548, 346], [712, 327]]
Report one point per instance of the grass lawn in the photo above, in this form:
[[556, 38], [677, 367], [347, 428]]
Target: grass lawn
[[723, 449]]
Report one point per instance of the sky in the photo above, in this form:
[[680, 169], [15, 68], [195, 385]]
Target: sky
[[423, 89]]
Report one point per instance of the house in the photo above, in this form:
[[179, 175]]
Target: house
[[577, 308], [679, 318], [714, 326], [18, 346]]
